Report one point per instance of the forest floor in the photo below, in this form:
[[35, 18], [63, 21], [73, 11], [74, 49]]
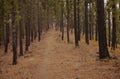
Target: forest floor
[[52, 58]]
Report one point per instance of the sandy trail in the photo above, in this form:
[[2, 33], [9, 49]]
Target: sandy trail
[[52, 58]]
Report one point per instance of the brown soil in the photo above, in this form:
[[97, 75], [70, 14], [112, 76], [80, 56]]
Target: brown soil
[[52, 58]]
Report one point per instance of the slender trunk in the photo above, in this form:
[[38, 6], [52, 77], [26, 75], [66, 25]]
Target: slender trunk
[[96, 32], [109, 28], [86, 22], [2, 24], [27, 29], [20, 38], [32, 25], [78, 12], [114, 36], [20, 30], [14, 40], [75, 25], [47, 13], [32, 37], [39, 22], [90, 19], [62, 25], [7, 35], [68, 19]]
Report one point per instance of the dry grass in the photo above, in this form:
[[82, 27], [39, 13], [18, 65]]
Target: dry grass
[[53, 58]]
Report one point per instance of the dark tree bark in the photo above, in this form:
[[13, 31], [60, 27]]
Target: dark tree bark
[[47, 13], [32, 25], [96, 28], [68, 19], [62, 24], [75, 25], [20, 29], [95, 23], [78, 20], [14, 34], [103, 49], [27, 28], [86, 22], [114, 36], [2, 23], [20, 39], [109, 28], [90, 20], [39, 22], [7, 35], [83, 24], [27, 39], [32, 32], [83, 21], [29, 21], [96, 32]]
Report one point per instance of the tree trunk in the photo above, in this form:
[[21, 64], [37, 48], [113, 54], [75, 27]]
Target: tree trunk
[[90, 20], [14, 34], [78, 22], [103, 49], [62, 24], [96, 32], [39, 22], [20, 29], [20, 38], [68, 19], [75, 25], [114, 36], [27, 28], [109, 28], [86, 22], [7, 35], [2, 24]]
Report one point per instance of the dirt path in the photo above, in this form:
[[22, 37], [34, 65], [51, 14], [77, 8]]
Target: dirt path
[[55, 59]]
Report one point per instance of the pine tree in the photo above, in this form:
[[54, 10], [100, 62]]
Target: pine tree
[[103, 49]]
